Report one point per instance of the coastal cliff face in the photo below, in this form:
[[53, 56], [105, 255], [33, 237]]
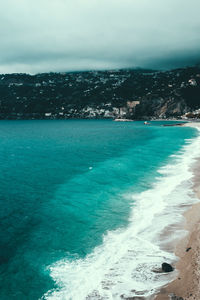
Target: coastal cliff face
[[100, 94]]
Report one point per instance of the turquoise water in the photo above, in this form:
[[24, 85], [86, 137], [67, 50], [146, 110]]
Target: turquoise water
[[64, 184]]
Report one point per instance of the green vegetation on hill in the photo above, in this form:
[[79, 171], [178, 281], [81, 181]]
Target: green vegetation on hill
[[99, 94]]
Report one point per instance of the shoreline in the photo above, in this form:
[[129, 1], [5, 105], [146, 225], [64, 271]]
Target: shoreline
[[187, 284]]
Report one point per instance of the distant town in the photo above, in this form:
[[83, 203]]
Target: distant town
[[130, 94]]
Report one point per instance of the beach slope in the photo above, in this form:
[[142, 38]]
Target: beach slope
[[187, 285]]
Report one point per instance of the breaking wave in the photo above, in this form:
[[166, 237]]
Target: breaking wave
[[124, 265]]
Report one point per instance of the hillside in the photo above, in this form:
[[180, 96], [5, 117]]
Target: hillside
[[100, 94]]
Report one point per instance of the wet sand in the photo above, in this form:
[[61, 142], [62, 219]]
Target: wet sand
[[187, 285]]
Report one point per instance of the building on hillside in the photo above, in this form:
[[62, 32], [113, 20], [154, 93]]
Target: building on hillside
[[123, 111], [131, 106]]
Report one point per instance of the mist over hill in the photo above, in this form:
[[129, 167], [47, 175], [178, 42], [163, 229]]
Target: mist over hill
[[100, 94]]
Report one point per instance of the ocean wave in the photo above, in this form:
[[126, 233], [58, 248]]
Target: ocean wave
[[123, 266]]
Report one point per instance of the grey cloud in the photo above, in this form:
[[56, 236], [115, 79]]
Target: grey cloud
[[61, 35]]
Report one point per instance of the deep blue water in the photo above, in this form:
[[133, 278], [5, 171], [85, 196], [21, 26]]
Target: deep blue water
[[63, 184]]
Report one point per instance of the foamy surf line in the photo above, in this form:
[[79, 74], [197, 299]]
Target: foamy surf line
[[123, 266]]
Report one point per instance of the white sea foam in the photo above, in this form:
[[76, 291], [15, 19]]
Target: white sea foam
[[123, 265]]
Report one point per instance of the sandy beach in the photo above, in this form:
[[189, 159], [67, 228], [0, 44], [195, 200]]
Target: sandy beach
[[187, 285]]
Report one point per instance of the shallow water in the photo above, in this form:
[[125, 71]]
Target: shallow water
[[80, 198]]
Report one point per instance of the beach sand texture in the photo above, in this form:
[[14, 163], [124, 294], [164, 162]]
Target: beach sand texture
[[187, 285]]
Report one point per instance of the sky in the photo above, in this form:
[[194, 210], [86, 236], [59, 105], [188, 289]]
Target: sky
[[69, 35]]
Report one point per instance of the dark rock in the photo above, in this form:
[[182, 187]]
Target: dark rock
[[174, 297], [188, 249], [167, 267]]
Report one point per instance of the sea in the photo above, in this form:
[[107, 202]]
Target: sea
[[90, 209]]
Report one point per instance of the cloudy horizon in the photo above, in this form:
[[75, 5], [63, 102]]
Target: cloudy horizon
[[62, 35]]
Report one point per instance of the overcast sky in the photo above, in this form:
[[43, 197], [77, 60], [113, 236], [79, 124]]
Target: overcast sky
[[64, 35]]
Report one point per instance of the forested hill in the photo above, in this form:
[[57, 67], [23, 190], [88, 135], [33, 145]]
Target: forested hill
[[100, 94]]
